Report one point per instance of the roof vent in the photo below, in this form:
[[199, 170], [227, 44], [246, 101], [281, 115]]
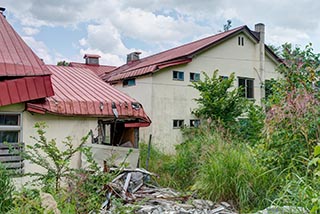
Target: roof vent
[[2, 9], [134, 56], [92, 59]]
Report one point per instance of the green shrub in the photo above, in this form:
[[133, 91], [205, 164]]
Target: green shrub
[[228, 172], [6, 190]]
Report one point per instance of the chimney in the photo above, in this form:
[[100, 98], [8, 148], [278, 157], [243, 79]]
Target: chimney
[[134, 56], [91, 59], [260, 28]]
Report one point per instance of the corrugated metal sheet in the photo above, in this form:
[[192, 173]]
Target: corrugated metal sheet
[[79, 91], [25, 89], [165, 58], [97, 69], [16, 57]]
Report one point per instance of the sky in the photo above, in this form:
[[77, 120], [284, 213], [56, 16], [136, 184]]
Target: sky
[[67, 29]]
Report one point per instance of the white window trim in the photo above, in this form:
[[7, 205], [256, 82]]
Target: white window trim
[[14, 128]]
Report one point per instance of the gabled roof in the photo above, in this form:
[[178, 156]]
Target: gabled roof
[[179, 55], [23, 76], [97, 69], [79, 92]]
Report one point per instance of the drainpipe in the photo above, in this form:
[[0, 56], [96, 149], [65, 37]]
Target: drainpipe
[[261, 29]]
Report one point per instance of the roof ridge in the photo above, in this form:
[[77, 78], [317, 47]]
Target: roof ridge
[[189, 43]]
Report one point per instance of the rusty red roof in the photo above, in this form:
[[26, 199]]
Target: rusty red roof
[[179, 55], [25, 89], [23, 76], [97, 69], [79, 91], [16, 57]]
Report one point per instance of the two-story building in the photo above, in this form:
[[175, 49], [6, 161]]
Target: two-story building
[[161, 82]]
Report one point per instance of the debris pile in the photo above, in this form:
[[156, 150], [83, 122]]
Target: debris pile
[[131, 186]]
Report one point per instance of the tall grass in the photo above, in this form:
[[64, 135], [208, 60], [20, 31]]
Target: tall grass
[[6, 190], [228, 172], [213, 165]]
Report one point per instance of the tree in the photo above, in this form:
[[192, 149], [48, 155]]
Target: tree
[[227, 26], [217, 100], [63, 63]]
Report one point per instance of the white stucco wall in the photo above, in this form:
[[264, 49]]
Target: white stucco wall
[[59, 127], [171, 99]]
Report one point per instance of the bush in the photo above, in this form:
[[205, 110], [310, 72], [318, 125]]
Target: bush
[[228, 172], [6, 190]]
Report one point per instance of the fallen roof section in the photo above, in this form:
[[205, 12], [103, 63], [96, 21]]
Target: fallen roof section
[[79, 92]]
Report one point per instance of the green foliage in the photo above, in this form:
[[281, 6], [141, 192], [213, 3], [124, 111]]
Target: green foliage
[[6, 190], [27, 201], [226, 170], [293, 124], [158, 163], [217, 100], [63, 63]]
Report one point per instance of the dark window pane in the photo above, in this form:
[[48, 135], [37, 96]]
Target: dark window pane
[[9, 136], [249, 88], [9, 119], [242, 84]]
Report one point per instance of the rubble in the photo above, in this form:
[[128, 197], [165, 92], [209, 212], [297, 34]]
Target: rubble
[[131, 186]]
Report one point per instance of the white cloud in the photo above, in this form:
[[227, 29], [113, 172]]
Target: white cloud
[[30, 31], [163, 23], [106, 58], [39, 48]]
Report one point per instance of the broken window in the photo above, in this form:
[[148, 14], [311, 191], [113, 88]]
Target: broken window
[[247, 86], [194, 77], [178, 75], [178, 123]]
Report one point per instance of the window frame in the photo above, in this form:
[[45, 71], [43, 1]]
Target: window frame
[[180, 123], [195, 120], [246, 87], [193, 75], [177, 78], [126, 82], [17, 128], [240, 40]]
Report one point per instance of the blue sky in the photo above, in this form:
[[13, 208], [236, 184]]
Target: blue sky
[[66, 29]]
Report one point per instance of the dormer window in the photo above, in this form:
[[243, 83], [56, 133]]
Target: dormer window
[[91, 59]]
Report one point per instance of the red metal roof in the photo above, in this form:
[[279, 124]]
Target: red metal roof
[[179, 55], [25, 89], [16, 57], [97, 69], [23, 76], [79, 91]]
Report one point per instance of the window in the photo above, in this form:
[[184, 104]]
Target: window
[[178, 75], [194, 123], [223, 77], [129, 82], [10, 128], [194, 77], [178, 123], [247, 86], [240, 40]]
